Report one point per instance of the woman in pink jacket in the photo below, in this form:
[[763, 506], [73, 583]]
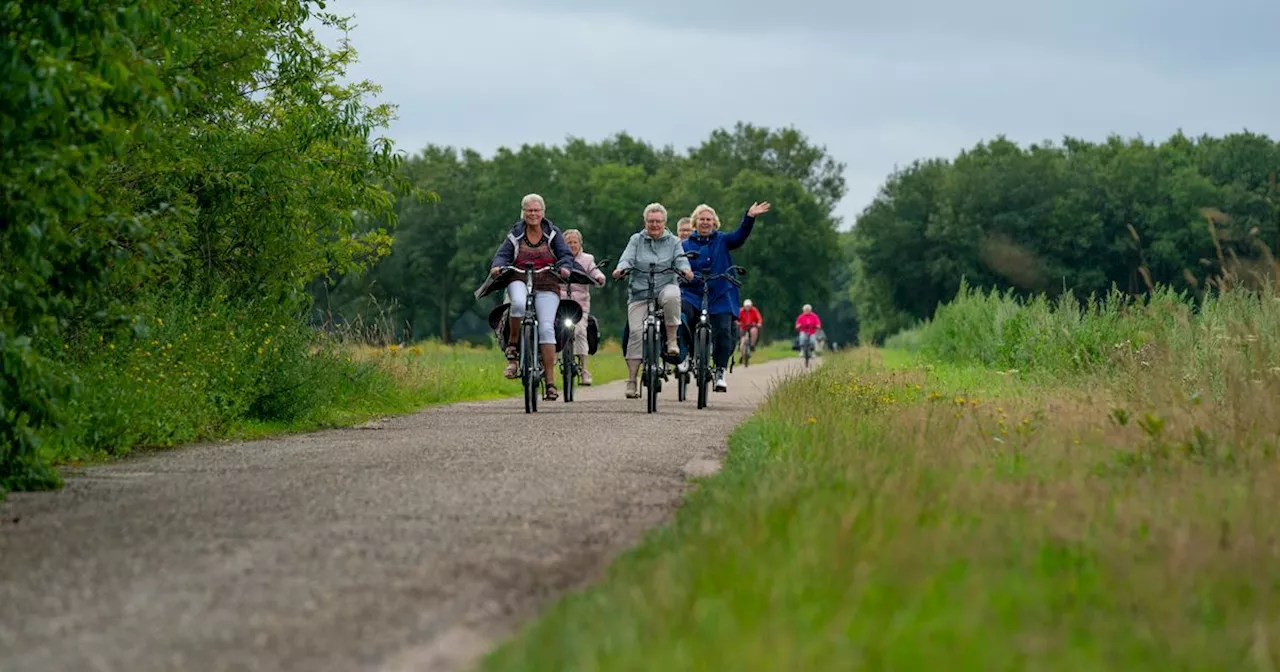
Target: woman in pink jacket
[[581, 294], [808, 325]]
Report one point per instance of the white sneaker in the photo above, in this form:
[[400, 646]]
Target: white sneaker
[[683, 366], [721, 386]]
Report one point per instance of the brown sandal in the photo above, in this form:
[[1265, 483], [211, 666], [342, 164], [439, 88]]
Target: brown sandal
[[513, 364], [550, 394]]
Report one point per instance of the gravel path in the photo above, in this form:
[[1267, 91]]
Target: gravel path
[[412, 543]]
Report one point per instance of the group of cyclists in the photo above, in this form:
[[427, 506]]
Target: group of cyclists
[[535, 240]]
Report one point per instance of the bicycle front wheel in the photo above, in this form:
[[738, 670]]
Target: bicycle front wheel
[[651, 365]]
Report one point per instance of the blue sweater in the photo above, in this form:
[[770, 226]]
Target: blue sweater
[[714, 258]]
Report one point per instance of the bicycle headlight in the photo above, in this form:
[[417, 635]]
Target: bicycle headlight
[[568, 322]]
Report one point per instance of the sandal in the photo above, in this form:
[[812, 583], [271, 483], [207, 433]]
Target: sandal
[[550, 394], [513, 365]]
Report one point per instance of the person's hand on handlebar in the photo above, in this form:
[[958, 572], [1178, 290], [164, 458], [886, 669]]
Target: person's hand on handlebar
[[564, 272], [618, 272], [688, 275], [493, 272]]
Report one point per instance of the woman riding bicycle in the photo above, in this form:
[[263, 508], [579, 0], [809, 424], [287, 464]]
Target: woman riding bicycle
[[582, 294], [807, 324], [713, 250], [654, 245], [534, 239], [750, 321]]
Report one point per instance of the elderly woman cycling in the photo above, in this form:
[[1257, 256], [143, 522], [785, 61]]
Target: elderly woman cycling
[[654, 245], [534, 239], [713, 248], [581, 293]]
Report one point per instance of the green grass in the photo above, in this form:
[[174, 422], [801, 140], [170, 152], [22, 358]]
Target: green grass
[[906, 510]]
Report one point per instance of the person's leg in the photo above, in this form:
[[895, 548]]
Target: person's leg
[[669, 299], [636, 312], [755, 335], [546, 303], [517, 293], [722, 346], [580, 348]]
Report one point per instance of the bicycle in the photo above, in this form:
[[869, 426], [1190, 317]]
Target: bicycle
[[570, 372], [745, 346], [532, 373], [700, 355], [806, 348], [653, 366]]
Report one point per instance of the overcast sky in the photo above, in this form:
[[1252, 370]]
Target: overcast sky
[[878, 83]]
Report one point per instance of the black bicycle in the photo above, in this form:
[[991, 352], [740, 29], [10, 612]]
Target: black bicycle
[[700, 356], [654, 368], [570, 372]]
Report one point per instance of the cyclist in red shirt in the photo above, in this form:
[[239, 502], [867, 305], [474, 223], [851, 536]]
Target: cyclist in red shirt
[[808, 325], [749, 321]]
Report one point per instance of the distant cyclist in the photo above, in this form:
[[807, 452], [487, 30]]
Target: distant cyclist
[[808, 324], [749, 321]]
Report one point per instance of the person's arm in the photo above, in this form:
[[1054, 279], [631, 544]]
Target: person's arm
[[682, 263], [739, 236], [564, 255], [594, 271], [505, 254], [628, 258]]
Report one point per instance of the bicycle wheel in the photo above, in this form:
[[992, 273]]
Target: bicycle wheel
[[651, 355], [682, 386], [528, 370], [702, 364], [808, 352], [566, 371]]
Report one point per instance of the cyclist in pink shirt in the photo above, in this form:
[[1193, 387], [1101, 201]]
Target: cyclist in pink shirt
[[808, 325]]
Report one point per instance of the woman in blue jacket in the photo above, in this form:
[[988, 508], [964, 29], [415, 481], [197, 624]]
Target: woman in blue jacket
[[713, 249]]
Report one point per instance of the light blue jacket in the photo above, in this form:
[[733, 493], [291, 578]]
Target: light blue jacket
[[643, 250]]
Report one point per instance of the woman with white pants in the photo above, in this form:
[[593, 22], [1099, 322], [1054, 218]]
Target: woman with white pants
[[534, 239]]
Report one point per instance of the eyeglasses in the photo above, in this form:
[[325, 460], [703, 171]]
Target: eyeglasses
[[655, 221]]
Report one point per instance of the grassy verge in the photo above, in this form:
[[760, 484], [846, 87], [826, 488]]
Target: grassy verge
[[183, 382], [896, 510]]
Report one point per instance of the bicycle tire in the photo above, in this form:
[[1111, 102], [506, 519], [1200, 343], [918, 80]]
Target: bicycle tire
[[566, 371], [651, 367], [702, 372], [527, 371]]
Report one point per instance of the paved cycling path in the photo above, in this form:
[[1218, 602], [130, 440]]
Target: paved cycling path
[[410, 544]]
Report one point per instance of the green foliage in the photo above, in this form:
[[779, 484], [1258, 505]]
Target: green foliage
[[443, 247], [1079, 218], [151, 150]]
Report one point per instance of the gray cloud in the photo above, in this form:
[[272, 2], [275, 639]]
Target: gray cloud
[[878, 86]]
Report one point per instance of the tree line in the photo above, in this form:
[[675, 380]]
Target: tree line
[[443, 246], [1075, 217]]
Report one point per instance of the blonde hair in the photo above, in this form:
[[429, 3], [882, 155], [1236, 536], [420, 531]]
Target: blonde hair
[[693, 217]]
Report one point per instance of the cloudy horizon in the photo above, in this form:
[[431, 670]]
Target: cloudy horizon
[[878, 87]]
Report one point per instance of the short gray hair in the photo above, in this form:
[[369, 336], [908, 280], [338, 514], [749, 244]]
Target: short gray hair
[[532, 198], [654, 207], [574, 232]]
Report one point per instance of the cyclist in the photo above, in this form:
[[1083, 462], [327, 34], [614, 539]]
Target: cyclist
[[713, 250], [581, 294], [656, 245], [533, 239], [808, 325], [684, 228], [749, 321]]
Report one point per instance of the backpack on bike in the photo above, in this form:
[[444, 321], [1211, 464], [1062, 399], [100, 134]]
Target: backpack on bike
[[593, 334], [499, 318]]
